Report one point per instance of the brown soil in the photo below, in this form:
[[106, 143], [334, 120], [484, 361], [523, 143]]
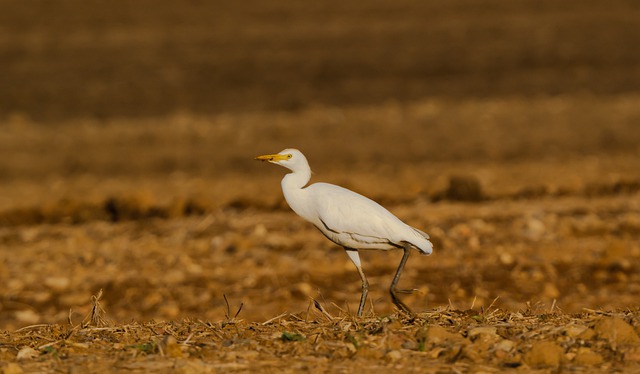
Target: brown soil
[[507, 132]]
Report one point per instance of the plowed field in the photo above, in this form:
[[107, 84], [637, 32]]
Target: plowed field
[[508, 132]]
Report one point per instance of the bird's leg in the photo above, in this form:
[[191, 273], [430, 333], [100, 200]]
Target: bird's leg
[[355, 258], [392, 290]]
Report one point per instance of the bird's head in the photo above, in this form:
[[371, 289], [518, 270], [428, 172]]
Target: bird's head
[[290, 158]]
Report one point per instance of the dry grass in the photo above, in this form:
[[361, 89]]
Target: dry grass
[[443, 339]]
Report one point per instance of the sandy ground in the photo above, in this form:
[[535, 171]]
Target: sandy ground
[[126, 158]]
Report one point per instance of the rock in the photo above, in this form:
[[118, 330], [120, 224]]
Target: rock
[[587, 357], [544, 354], [27, 353], [616, 330]]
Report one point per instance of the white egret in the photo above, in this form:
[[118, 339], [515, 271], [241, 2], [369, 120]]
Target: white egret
[[348, 219]]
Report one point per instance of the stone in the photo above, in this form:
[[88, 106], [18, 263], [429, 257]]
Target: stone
[[27, 353]]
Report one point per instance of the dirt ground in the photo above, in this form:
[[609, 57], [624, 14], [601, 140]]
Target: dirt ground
[[510, 132]]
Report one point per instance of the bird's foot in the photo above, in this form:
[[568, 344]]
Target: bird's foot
[[401, 306]]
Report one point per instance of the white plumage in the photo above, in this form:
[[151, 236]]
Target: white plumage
[[347, 218]]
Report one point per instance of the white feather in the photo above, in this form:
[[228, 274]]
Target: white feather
[[345, 217]]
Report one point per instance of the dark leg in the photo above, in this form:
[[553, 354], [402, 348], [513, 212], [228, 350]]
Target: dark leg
[[355, 258], [392, 290]]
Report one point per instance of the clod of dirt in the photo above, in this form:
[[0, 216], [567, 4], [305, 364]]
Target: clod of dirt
[[392, 356], [586, 357], [505, 345], [464, 188], [505, 352], [575, 331], [439, 335], [12, 368], [544, 353], [484, 337], [616, 330]]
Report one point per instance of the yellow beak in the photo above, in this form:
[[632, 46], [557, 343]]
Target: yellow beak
[[272, 158]]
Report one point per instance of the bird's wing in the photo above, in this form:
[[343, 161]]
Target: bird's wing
[[422, 233], [344, 212]]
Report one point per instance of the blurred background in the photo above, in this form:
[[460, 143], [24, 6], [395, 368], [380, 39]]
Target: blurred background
[[191, 86], [118, 110], [104, 60]]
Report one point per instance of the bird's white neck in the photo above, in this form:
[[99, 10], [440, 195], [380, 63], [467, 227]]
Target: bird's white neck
[[294, 193], [296, 180]]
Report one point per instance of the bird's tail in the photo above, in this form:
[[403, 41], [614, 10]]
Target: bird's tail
[[422, 242]]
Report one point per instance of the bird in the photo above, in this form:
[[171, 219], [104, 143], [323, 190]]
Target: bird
[[348, 219]]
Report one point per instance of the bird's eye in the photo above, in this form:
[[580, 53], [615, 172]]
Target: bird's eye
[[289, 155]]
